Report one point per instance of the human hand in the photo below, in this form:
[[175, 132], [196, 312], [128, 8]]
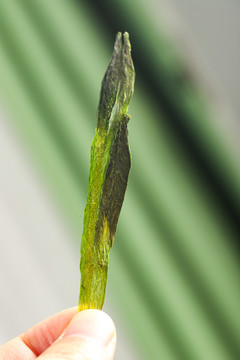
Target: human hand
[[87, 335]]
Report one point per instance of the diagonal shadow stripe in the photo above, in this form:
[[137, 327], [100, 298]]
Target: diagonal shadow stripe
[[164, 91]]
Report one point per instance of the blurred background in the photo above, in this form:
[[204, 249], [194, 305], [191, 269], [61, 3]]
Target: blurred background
[[173, 288]]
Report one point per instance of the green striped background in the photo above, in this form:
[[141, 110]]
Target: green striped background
[[174, 267]]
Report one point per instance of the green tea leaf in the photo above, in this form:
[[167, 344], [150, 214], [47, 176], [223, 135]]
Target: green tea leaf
[[109, 170]]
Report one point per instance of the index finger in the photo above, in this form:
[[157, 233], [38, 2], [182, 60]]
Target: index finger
[[33, 342]]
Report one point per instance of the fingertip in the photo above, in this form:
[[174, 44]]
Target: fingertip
[[92, 324], [90, 335]]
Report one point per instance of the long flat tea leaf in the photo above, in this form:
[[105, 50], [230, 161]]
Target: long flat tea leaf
[[109, 170]]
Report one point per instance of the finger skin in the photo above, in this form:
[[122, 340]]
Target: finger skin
[[16, 349], [42, 335], [91, 335], [76, 348], [88, 335], [33, 342]]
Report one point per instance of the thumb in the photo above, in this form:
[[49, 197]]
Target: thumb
[[91, 335]]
